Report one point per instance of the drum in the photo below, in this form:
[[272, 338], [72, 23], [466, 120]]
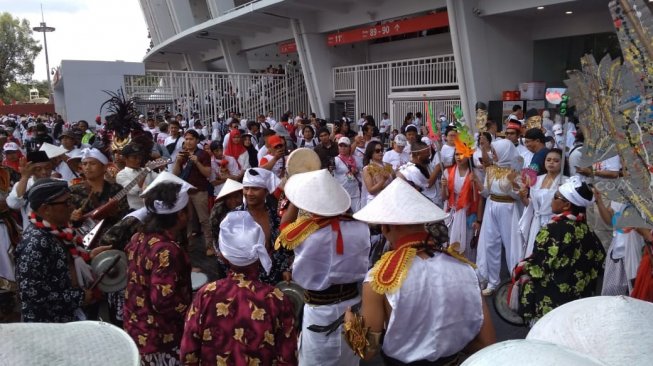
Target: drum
[[303, 160], [197, 280], [502, 307], [296, 295]]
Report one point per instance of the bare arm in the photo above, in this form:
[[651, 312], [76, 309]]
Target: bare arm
[[486, 336]]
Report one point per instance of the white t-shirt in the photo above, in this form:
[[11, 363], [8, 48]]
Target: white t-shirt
[[232, 167], [396, 159], [384, 125]]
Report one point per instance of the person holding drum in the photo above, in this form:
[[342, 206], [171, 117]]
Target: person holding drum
[[240, 319], [158, 291]]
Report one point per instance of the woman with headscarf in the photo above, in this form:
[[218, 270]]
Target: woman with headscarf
[[252, 153], [501, 216], [567, 258], [346, 172], [236, 149], [158, 291]]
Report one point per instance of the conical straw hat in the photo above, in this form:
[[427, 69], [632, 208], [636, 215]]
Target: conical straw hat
[[230, 186], [52, 150], [317, 192], [615, 329], [531, 353], [400, 204]]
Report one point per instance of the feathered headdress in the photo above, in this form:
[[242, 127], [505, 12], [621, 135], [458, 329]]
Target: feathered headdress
[[121, 118], [464, 141]]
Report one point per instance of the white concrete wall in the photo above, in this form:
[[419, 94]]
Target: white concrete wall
[[83, 83], [437, 44]]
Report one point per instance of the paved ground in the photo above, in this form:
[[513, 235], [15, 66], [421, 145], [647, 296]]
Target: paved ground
[[504, 330]]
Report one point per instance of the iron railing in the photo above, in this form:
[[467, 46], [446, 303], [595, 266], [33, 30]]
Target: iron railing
[[214, 93]]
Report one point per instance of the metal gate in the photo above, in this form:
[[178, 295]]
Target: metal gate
[[399, 109]]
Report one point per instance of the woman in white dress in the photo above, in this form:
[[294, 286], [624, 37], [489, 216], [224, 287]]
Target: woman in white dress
[[346, 172], [376, 174], [538, 201], [460, 192], [449, 146]]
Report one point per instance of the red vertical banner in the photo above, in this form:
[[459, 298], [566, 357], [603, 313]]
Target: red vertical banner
[[392, 28]]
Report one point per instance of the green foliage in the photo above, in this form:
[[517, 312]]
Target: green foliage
[[20, 91], [17, 51]]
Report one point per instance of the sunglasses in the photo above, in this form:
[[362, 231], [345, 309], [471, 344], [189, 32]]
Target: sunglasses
[[378, 150], [277, 146]]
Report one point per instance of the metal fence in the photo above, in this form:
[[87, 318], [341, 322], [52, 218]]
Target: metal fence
[[373, 84], [399, 109], [213, 93]]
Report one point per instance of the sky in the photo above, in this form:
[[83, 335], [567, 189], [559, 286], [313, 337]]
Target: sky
[[103, 30]]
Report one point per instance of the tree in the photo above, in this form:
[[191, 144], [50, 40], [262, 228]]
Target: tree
[[20, 91], [17, 51]]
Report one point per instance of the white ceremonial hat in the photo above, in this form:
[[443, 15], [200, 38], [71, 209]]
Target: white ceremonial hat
[[400, 204], [317, 192], [167, 177], [242, 240], [615, 329], [229, 187], [531, 353], [72, 344], [52, 150], [74, 154]]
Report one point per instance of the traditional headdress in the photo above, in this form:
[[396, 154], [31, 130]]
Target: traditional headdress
[[242, 241], [122, 118]]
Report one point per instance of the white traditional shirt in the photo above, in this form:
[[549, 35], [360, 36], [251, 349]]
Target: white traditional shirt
[[438, 284]]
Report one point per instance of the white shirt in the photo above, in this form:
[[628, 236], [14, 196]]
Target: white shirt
[[348, 181], [396, 159], [317, 265], [126, 176], [180, 144], [20, 203], [384, 125], [232, 167], [574, 159], [66, 173], [437, 284]]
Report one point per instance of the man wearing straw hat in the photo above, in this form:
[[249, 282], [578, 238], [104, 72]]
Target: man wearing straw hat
[[331, 259], [239, 319], [425, 293]]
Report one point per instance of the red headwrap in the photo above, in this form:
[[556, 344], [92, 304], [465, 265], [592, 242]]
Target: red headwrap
[[234, 149]]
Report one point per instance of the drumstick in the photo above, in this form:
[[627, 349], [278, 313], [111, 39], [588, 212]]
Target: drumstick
[[113, 263]]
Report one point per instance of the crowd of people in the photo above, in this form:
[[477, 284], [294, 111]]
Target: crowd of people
[[393, 220]]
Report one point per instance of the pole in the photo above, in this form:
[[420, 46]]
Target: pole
[[43, 28]]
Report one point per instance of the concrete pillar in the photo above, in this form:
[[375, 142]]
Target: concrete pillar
[[182, 16], [161, 14], [492, 53], [235, 60], [194, 63], [316, 62], [219, 7]]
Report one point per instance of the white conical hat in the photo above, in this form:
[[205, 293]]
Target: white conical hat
[[531, 353], [52, 150], [317, 192], [615, 329], [167, 177], [230, 186], [73, 344], [400, 204]]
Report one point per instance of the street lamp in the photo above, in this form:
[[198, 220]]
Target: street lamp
[[45, 29]]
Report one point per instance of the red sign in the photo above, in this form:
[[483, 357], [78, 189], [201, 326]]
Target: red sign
[[393, 28], [288, 47]]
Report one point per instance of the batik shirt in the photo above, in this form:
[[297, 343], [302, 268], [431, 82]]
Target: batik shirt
[[567, 259], [239, 320], [44, 280], [158, 292]]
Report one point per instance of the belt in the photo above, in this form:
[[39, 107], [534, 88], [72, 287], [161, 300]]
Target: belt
[[332, 295], [442, 361], [502, 199]]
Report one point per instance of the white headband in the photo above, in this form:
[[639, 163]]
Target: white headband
[[568, 190], [263, 179], [96, 154], [182, 201], [242, 241]]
